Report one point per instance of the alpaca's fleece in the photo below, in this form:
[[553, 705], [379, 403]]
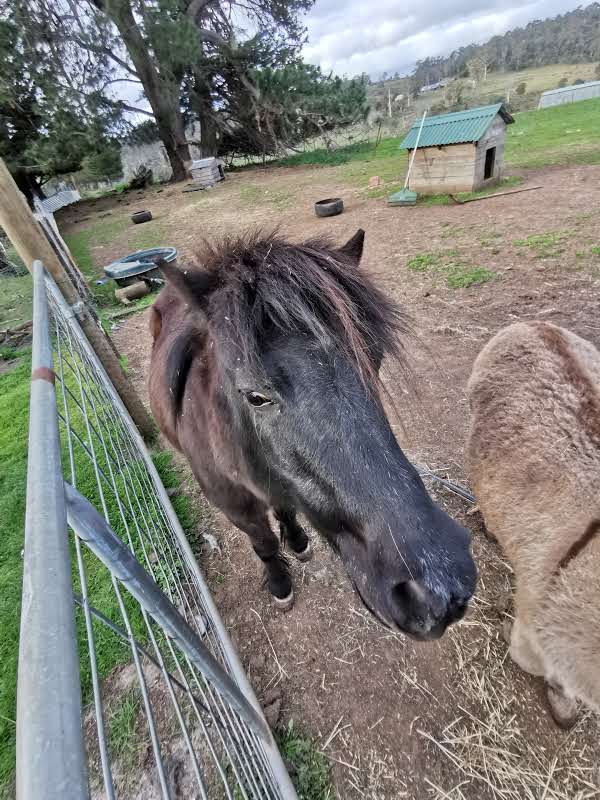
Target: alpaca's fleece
[[534, 460]]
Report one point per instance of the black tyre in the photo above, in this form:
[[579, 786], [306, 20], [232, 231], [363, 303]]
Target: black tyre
[[141, 216], [330, 207]]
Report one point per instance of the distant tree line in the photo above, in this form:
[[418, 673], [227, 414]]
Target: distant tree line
[[571, 38]]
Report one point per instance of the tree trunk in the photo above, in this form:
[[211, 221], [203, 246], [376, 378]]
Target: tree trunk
[[169, 122], [201, 107], [161, 92], [209, 139]]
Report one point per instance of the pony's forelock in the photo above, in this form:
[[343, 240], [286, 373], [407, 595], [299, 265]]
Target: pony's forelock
[[261, 280]]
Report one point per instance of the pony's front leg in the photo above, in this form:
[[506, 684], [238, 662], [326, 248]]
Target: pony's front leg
[[266, 546], [294, 534]]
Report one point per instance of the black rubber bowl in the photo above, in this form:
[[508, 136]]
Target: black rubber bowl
[[141, 216], [330, 207]]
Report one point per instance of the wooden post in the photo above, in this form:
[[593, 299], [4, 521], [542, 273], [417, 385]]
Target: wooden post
[[31, 243]]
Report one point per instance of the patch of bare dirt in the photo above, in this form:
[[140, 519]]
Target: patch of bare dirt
[[452, 719]]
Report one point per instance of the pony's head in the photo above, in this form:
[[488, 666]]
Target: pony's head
[[297, 334]]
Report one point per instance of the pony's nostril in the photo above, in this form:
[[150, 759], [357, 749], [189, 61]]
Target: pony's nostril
[[401, 594]]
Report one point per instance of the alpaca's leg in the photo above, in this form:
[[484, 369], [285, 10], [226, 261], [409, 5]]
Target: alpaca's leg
[[564, 709], [522, 650]]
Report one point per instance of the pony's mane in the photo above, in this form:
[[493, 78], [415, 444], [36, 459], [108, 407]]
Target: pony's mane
[[248, 285]]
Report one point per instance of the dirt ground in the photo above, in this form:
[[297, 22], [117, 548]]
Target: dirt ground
[[452, 719]]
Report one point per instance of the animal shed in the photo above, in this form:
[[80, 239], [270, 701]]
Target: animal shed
[[458, 152]]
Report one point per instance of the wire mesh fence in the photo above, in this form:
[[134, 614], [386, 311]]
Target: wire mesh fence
[[167, 709]]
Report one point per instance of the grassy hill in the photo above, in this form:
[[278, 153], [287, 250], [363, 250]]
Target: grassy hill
[[566, 134], [498, 85]]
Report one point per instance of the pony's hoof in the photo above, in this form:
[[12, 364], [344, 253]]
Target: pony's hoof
[[304, 555], [284, 603]]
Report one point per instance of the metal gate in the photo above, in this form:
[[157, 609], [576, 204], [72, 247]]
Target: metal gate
[[125, 577]]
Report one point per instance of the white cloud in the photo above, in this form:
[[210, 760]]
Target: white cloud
[[391, 35]]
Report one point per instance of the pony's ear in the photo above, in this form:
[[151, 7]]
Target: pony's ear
[[191, 285], [353, 248]]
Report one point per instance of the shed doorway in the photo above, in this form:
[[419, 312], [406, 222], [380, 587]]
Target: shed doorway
[[490, 160]]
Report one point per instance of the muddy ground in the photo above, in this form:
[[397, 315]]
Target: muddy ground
[[396, 719]]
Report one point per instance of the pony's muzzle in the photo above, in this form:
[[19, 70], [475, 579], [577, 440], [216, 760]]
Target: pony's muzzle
[[423, 614]]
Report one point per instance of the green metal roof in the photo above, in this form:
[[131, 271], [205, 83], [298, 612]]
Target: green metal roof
[[455, 128]]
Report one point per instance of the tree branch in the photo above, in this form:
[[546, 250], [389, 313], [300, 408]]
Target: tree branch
[[102, 51], [213, 38], [120, 80], [135, 110]]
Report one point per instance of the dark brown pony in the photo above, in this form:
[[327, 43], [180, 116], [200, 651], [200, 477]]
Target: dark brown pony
[[264, 373]]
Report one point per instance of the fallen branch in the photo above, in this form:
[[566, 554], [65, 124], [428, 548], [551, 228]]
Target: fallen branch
[[487, 196]]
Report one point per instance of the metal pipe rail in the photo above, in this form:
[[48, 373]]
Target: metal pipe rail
[[50, 752]]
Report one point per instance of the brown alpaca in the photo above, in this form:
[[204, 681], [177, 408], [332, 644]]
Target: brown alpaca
[[534, 459]]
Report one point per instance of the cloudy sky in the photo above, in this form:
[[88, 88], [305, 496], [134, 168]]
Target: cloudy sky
[[354, 36]]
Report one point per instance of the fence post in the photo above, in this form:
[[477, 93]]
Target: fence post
[[31, 243], [50, 752]]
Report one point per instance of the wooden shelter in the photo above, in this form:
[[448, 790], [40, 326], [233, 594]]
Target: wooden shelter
[[458, 152]]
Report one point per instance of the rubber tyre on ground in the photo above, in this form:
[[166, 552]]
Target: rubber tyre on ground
[[141, 216], [330, 207]]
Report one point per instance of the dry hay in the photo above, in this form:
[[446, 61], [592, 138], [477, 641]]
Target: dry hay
[[490, 748]]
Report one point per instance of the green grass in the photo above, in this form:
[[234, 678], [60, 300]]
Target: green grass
[[125, 739], [560, 135], [423, 262], [171, 477], [14, 415], [457, 273], [80, 244], [358, 162], [461, 276], [110, 650], [545, 245], [150, 234], [308, 767], [387, 162], [359, 151], [16, 295], [10, 353]]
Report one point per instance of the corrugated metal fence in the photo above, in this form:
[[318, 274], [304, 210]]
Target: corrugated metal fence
[[58, 200], [570, 94], [124, 582]]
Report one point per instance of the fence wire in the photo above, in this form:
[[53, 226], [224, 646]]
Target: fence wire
[[156, 721]]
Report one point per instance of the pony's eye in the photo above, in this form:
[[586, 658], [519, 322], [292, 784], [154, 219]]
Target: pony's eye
[[257, 399]]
